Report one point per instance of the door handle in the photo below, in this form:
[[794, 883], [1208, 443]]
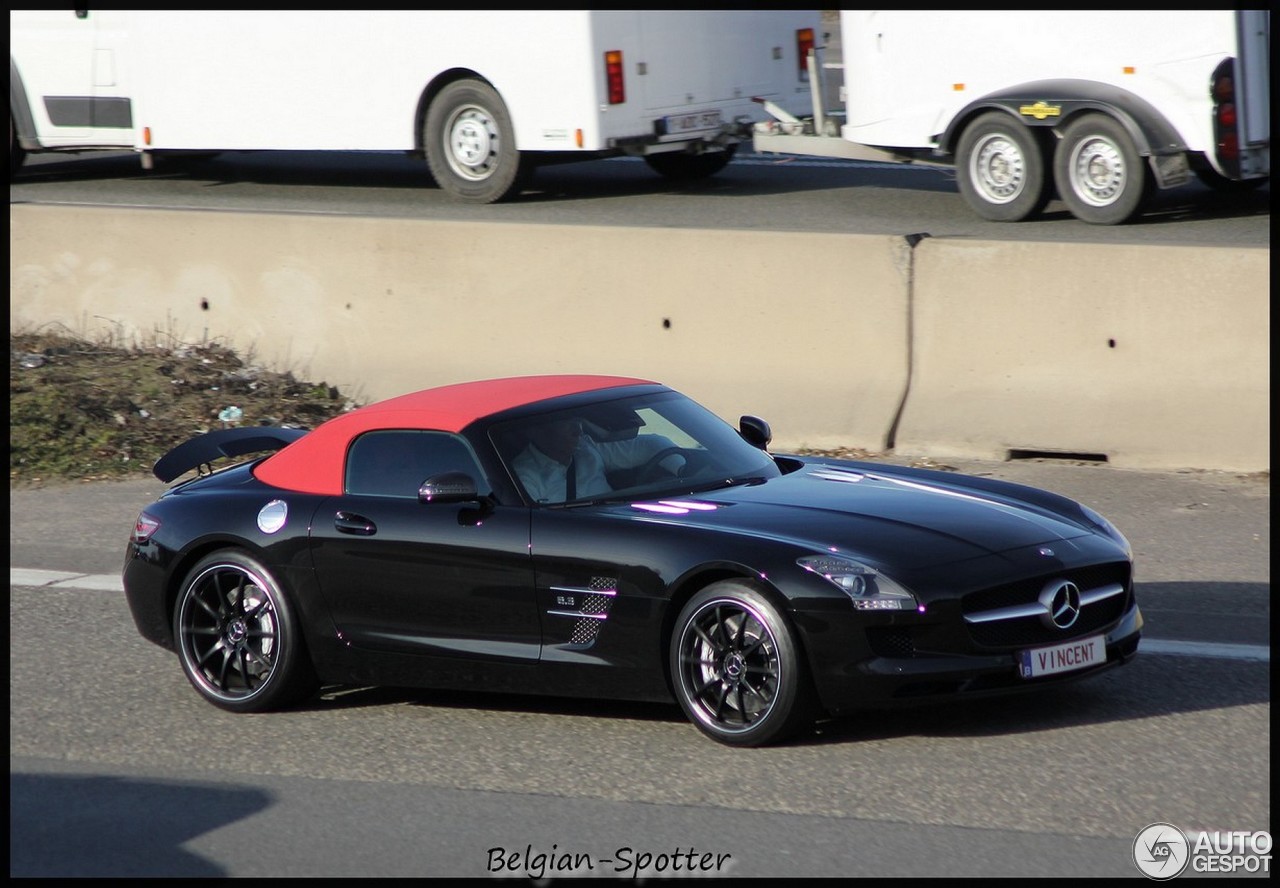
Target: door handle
[[350, 522]]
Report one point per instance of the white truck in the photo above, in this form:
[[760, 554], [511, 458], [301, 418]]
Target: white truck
[[1100, 106], [483, 95]]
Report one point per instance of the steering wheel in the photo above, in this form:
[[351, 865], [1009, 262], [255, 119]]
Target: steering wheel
[[649, 471]]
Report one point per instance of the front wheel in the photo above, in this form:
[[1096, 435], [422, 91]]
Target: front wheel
[[1100, 175], [470, 144], [1001, 169], [680, 166], [237, 637], [736, 667]]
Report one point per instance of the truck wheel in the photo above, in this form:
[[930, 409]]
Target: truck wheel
[[681, 166], [471, 145], [1100, 175], [1001, 169]]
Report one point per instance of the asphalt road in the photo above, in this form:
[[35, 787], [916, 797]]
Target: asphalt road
[[118, 769], [773, 192]]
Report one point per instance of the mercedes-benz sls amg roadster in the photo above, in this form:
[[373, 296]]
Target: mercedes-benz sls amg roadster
[[607, 537]]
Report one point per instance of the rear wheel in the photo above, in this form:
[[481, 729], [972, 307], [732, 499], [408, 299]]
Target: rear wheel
[[737, 668], [681, 166], [471, 145], [1100, 175], [237, 636], [1001, 169]]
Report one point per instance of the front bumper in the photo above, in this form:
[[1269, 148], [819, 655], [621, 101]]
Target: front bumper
[[879, 681]]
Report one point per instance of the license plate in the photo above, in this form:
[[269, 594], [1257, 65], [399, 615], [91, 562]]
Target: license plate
[[689, 123], [1066, 657]]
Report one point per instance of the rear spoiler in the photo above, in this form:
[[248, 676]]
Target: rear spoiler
[[206, 448]]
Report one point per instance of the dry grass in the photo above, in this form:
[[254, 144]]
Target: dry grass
[[94, 410]]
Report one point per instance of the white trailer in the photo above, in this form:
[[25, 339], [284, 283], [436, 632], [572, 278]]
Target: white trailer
[[483, 95], [1100, 106]]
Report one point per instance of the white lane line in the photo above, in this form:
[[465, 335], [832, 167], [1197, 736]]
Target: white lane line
[[1209, 649], [61, 579]]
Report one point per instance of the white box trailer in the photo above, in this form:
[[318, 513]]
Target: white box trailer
[[1100, 106], [483, 95]]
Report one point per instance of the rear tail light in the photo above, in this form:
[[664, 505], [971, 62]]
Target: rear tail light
[[614, 78], [1222, 91], [144, 528], [804, 43]]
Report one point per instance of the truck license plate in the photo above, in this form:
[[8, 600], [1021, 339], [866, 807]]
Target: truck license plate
[[690, 123]]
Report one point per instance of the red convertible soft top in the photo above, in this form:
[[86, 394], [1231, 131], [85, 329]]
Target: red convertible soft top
[[314, 463]]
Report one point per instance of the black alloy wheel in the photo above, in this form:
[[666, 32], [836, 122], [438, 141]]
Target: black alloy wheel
[[237, 638], [737, 670]]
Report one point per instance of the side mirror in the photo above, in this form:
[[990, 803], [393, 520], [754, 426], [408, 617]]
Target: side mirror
[[448, 487], [755, 431]]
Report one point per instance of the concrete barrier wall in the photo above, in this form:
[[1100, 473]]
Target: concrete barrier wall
[[1151, 356], [807, 330]]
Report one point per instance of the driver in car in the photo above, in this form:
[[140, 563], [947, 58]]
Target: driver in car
[[563, 463]]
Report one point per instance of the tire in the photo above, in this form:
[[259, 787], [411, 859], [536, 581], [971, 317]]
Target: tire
[[683, 167], [1099, 174], [471, 145], [1001, 169], [237, 637], [736, 667]]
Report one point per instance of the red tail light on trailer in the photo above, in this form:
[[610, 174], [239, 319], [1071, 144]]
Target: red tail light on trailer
[[614, 78], [804, 43]]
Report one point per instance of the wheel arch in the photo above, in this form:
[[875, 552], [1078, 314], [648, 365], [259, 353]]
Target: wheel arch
[[1046, 105]]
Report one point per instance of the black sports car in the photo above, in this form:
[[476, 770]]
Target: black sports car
[[608, 537]]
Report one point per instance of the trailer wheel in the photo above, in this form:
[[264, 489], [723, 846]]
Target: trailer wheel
[[471, 145], [681, 166], [1100, 175], [1001, 169]]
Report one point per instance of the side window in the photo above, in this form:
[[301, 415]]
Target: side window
[[396, 462]]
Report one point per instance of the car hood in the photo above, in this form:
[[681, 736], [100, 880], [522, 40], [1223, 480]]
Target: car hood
[[878, 514]]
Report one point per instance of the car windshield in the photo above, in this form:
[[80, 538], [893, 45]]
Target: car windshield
[[638, 447]]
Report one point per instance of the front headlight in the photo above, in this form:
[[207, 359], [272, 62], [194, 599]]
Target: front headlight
[[867, 588]]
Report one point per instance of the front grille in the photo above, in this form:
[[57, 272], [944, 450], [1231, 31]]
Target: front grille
[[1025, 591], [1030, 629]]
